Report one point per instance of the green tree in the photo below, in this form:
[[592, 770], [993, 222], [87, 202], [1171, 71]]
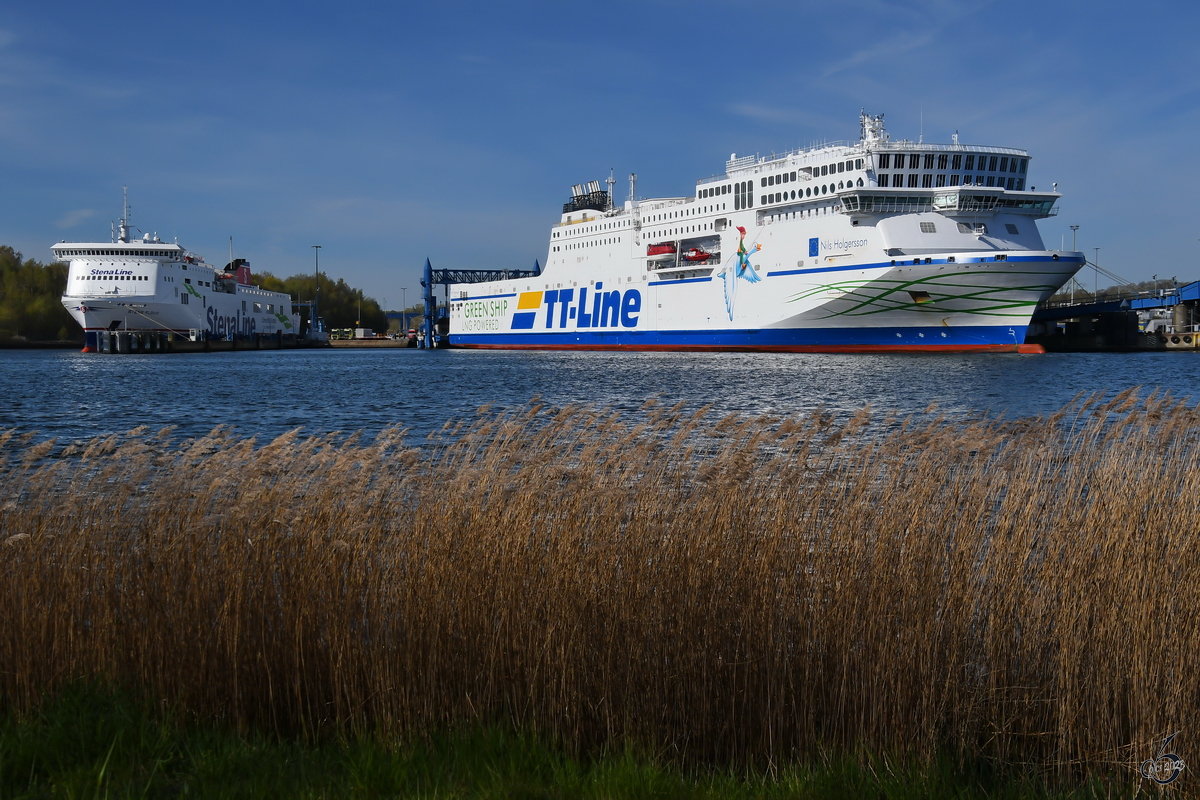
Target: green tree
[[31, 299], [338, 304]]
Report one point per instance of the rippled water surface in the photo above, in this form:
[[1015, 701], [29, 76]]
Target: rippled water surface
[[71, 395]]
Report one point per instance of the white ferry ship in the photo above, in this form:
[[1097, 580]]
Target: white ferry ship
[[868, 246], [150, 286]]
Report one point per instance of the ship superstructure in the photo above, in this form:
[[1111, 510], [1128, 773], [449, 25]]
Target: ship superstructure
[[148, 285], [863, 246]]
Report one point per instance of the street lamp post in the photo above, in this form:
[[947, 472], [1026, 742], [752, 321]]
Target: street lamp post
[[317, 282], [1096, 274], [404, 310]]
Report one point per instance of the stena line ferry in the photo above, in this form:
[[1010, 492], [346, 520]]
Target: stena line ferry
[[870, 246], [150, 286]]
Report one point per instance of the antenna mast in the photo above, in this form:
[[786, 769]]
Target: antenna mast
[[610, 183], [632, 185], [124, 229]]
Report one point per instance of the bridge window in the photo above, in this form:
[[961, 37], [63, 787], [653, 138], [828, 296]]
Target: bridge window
[[912, 181], [929, 161], [883, 179], [970, 165], [992, 164], [927, 181], [942, 158], [885, 161], [928, 227], [1008, 226], [914, 160]]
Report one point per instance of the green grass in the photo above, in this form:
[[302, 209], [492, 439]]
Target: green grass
[[95, 743]]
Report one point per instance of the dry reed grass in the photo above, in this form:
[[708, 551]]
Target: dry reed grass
[[741, 590]]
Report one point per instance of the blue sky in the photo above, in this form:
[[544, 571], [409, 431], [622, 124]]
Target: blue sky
[[388, 132]]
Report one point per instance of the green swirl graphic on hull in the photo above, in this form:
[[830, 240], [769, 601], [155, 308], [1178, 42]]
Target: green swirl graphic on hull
[[933, 294]]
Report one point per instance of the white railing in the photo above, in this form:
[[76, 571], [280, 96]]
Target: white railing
[[905, 145]]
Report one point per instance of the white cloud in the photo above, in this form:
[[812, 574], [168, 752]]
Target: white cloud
[[893, 49], [790, 115], [73, 218]]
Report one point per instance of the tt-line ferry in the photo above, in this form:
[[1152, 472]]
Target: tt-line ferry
[[150, 286], [870, 246]]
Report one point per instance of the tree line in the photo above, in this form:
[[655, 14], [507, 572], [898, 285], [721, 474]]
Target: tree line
[[31, 299], [340, 305]]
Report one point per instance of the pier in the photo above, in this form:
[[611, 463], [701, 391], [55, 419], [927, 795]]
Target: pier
[[1162, 320], [128, 342], [436, 326]]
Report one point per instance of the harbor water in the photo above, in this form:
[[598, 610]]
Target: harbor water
[[72, 396]]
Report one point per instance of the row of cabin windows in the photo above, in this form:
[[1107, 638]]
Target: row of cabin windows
[[826, 169], [956, 161], [605, 227], [929, 227], [928, 181], [114, 277], [592, 243], [114, 253], [742, 188], [811, 191]]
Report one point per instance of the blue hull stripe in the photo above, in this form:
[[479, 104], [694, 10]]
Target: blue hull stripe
[[680, 280], [767, 339], [904, 262], [822, 269]]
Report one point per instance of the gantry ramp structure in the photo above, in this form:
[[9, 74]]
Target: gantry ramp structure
[[444, 277]]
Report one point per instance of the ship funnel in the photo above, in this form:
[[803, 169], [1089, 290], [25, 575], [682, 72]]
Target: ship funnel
[[587, 196]]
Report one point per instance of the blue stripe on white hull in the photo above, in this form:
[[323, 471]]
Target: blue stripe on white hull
[[815, 339]]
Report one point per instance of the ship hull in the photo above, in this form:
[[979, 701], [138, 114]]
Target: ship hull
[[997, 339], [955, 303]]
